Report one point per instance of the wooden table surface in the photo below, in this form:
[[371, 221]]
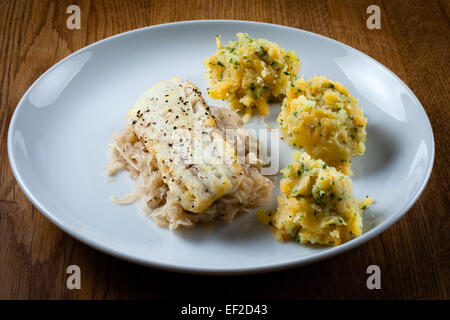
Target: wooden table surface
[[413, 42]]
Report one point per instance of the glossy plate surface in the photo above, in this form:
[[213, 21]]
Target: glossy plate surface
[[59, 131]]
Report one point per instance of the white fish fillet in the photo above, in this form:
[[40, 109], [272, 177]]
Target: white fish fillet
[[196, 161]]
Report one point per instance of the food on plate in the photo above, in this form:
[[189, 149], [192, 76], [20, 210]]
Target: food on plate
[[249, 72], [316, 204], [321, 117], [187, 169]]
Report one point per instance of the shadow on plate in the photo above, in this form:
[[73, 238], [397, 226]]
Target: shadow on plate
[[243, 227], [381, 149]]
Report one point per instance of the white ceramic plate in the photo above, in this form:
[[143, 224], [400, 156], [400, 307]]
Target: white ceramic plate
[[59, 131]]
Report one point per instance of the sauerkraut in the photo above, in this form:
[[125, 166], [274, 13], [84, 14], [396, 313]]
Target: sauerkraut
[[129, 153]]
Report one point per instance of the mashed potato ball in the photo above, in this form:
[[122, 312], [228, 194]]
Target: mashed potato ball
[[250, 72], [321, 117], [316, 204]]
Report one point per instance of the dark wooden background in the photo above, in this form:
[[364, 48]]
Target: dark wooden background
[[413, 42]]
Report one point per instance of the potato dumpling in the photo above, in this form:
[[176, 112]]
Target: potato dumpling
[[321, 117], [316, 204], [250, 72]]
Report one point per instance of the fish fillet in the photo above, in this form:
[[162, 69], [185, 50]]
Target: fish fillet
[[196, 161]]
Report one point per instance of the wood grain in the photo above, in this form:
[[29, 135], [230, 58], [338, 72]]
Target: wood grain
[[414, 42]]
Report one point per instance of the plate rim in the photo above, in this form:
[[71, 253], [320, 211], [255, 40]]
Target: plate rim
[[271, 267]]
